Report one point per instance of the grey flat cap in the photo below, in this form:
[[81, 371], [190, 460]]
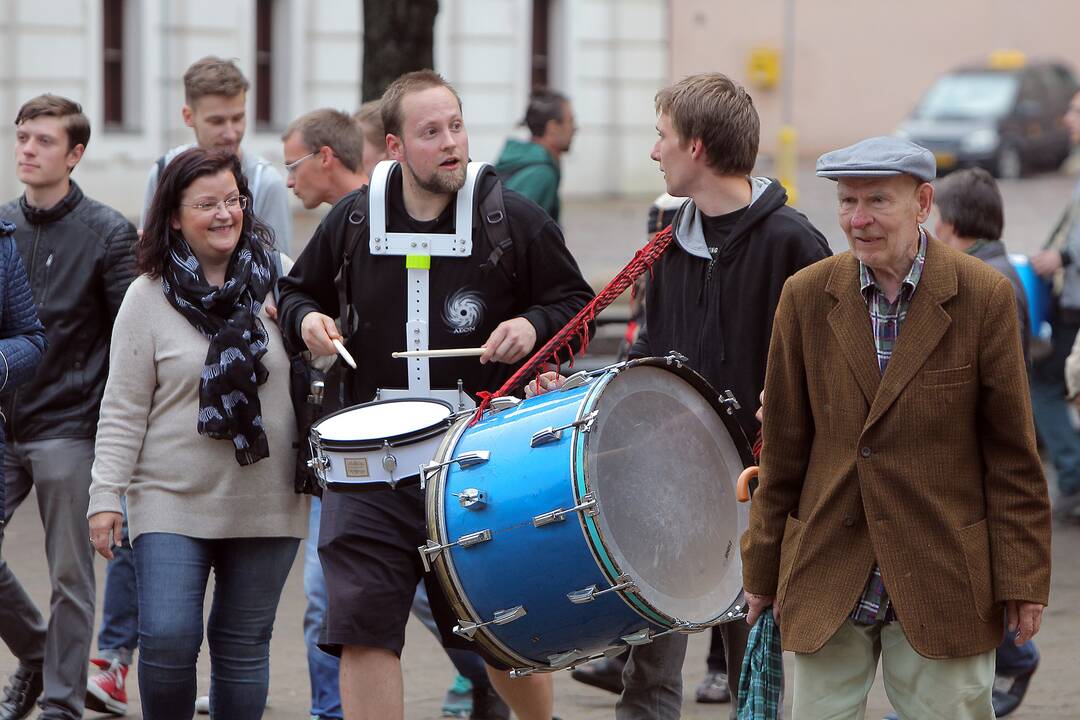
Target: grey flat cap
[[878, 156]]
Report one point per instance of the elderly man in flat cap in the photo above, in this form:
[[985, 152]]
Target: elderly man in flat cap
[[902, 512]]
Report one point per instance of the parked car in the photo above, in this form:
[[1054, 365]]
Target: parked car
[[1005, 116]]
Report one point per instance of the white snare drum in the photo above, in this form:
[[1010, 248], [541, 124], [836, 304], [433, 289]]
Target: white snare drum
[[378, 444]]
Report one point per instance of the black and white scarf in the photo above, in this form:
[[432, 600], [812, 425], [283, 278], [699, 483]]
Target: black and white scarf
[[229, 407]]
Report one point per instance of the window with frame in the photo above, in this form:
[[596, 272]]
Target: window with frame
[[113, 54]]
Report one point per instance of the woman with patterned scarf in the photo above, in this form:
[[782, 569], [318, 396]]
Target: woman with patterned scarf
[[197, 431]]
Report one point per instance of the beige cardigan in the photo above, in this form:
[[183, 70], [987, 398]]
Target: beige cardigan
[[176, 480]]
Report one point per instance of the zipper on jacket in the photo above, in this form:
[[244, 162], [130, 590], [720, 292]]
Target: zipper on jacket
[[48, 277]]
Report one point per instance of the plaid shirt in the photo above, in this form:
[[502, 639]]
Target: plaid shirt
[[886, 319], [762, 673]]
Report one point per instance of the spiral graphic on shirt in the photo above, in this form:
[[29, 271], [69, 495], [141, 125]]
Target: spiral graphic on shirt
[[463, 311]]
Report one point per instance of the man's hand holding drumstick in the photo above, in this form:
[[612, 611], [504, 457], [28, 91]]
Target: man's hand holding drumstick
[[509, 342]]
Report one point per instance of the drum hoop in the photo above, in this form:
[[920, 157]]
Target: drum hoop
[[443, 566], [594, 537], [405, 438]]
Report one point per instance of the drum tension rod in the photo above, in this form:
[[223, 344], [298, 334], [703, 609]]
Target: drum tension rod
[[431, 549], [464, 460], [468, 629], [586, 595], [553, 434], [729, 402], [587, 505]]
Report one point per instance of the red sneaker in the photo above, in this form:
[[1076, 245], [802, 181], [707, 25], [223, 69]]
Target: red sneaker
[[105, 691]]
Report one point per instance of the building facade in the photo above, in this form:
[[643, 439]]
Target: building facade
[[124, 61]]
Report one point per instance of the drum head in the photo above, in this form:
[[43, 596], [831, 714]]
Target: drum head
[[663, 467], [392, 420]]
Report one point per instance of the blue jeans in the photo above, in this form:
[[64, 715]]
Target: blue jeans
[[1051, 412], [172, 572], [119, 634], [322, 667]]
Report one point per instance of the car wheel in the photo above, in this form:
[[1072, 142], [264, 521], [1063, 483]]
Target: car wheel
[[1008, 164]]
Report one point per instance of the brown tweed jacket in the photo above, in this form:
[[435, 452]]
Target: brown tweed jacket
[[930, 469]]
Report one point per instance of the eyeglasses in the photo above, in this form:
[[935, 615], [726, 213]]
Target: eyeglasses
[[291, 167], [237, 202]]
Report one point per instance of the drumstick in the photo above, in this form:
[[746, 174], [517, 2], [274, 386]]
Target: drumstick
[[452, 352], [345, 355]]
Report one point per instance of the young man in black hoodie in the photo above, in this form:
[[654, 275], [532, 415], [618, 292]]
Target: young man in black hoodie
[[712, 297], [368, 541]]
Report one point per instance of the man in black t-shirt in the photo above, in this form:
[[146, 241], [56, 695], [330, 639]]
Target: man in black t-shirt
[[368, 541]]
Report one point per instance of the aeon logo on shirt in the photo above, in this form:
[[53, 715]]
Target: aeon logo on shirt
[[463, 311]]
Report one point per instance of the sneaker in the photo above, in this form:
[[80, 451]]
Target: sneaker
[[106, 690], [487, 705], [459, 699], [202, 704], [22, 691], [713, 689]]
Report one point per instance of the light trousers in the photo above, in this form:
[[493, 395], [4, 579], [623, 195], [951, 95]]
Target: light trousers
[[832, 684]]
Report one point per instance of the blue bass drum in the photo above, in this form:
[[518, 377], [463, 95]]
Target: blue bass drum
[[596, 516]]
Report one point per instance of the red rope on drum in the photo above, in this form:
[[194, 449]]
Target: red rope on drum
[[578, 326]]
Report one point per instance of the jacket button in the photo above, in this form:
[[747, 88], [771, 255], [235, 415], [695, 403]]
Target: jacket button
[[848, 521], [78, 365], [865, 452]]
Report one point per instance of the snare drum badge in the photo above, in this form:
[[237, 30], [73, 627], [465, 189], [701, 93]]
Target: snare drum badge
[[356, 467]]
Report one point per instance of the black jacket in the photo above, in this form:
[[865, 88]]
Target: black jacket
[[78, 257], [719, 313], [538, 280]]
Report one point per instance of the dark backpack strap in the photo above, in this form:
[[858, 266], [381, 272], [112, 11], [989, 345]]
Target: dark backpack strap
[[355, 230], [277, 271], [497, 230]]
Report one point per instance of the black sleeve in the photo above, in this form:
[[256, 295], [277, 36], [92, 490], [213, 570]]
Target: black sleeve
[[309, 286], [557, 291]]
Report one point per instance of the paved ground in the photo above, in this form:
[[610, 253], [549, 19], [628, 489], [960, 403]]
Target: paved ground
[[603, 235]]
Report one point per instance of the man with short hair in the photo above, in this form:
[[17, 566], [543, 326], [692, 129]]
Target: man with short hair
[[901, 510], [711, 297], [214, 108], [79, 260], [215, 93], [368, 540], [531, 167], [369, 120], [324, 157]]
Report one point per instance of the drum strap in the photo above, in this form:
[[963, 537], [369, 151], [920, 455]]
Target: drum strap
[[355, 230]]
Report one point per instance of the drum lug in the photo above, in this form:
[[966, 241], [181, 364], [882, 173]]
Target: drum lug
[[503, 402], [553, 434], [522, 672], [464, 460], [587, 505], [586, 595], [431, 549], [389, 462], [729, 402], [564, 659], [576, 380], [318, 463], [472, 498], [468, 629], [641, 637], [676, 358]]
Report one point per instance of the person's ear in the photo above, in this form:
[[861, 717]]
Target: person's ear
[[74, 156], [395, 148], [188, 114], [924, 196]]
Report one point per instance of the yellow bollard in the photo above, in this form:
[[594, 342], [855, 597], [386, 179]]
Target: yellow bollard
[[787, 163]]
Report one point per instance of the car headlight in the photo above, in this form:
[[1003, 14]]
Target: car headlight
[[981, 141]]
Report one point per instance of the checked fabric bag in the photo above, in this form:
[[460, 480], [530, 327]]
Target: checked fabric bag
[[762, 671]]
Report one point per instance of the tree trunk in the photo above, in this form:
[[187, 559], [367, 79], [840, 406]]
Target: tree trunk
[[398, 38]]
